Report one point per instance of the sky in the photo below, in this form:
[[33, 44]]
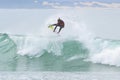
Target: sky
[[58, 3]]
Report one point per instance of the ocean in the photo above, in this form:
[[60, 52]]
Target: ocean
[[74, 54]]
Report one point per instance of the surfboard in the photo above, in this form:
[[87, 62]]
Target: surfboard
[[51, 27]]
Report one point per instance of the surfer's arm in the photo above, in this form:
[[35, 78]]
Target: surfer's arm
[[54, 24]]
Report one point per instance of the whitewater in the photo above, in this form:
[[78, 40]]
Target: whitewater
[[76, 53]]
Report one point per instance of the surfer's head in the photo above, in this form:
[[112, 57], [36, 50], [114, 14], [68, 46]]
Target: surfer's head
[[59, 19]]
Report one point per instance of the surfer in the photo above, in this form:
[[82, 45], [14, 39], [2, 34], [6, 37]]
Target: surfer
[[60, 23]]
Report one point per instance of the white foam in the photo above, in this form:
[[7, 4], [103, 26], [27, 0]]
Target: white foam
[[109, 56], [59, 76], [36, 45]]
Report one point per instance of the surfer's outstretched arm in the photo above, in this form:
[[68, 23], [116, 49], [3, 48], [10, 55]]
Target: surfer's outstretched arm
[[54, 24]]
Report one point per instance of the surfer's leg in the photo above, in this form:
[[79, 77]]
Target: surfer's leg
[[54, 28], [59, 29]]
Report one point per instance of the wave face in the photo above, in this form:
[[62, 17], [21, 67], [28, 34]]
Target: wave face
[[57, 53], [44, 53], [8, 52]]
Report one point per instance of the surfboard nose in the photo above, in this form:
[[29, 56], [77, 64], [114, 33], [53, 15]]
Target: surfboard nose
[[51, 27]]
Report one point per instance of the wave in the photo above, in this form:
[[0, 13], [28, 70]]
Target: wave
[[8, 50], [7, 47], [109, 52], [38, 45], [18, 50]]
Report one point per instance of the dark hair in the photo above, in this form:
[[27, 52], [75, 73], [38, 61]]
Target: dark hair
[[59, 19]]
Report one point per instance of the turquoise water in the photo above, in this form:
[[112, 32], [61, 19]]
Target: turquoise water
[[23, 53]]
